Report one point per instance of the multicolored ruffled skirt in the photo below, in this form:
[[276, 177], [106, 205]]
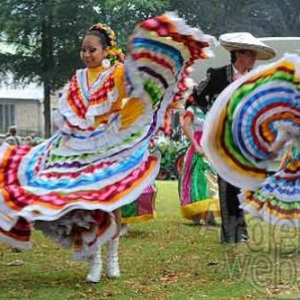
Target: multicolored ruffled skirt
[[247, 132], [69, 185], [197, 186]]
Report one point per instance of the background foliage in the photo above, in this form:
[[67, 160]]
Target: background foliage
[[46, 34]]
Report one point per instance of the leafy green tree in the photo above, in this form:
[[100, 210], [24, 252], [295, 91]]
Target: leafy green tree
[[46, 35], [262, 18], [206, 14], [123, 16], [275, 18]]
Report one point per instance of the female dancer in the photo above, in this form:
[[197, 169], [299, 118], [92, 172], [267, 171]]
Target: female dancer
[[197, 182], [72, 185], [141, 210]]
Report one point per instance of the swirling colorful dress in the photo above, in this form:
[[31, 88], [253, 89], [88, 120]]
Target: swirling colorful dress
[[197, 182], [251, 118], [98, 160]]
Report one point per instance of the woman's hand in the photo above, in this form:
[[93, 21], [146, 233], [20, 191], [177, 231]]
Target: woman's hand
[[199, 150]]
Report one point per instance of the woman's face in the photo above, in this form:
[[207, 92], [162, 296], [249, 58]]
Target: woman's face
[[92, 52]]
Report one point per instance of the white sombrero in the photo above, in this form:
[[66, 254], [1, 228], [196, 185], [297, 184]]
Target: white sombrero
[[246, 41]]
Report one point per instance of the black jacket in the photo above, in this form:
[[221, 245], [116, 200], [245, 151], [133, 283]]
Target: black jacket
[[217, 79]]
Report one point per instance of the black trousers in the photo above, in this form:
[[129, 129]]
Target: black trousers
[[233, 227]]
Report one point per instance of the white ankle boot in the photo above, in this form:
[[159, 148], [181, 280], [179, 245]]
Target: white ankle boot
[[124, 230], [113, 270], [94, 274]]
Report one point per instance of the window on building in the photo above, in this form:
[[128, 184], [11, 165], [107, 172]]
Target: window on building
[[7, 116]]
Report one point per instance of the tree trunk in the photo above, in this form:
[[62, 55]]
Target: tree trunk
[[47, 65], [47, 110]]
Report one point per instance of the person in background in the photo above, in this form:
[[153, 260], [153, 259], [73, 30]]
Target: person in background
[[197, 181], [244, 50], [13, 138], [29, 141], [139, 211]]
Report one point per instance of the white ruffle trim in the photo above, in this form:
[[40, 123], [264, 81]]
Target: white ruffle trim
[[97, 110], [60, 231], [264, 215], [39, 212], [100, 184], [112, 136]]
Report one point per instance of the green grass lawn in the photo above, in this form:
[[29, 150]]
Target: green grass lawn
[[167, 258]]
